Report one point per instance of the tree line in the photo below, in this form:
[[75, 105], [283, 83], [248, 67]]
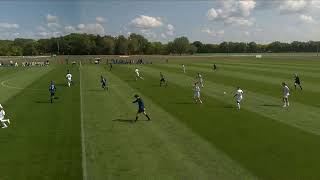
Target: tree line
[[135, 44]]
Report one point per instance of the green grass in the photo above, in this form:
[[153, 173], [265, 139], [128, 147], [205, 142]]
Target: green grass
[[184, 140]]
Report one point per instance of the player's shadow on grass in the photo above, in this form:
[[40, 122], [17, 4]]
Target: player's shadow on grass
[[124, 120], [43, 102], [229, 107], [184, 103], [271, 105]]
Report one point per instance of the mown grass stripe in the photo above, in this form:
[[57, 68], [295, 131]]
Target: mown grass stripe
[[304, 97], [270, 149], [161, 149], [298, 115], [283, 72], [83, 144], [251, 76]]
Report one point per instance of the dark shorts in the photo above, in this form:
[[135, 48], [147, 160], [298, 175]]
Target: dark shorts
[[140, 110], [52, 94], [297, 82], [162, 80]]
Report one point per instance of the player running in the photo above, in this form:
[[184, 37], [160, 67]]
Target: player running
[[2, 120], [200, 79], [110, 66], [52, 90], [138, 74], [286, 94], [196, 95], [238, 95], [141, 108], [297, 82], [104, 84], [214, 67], [184, 68], [163, 80], [69, 78]]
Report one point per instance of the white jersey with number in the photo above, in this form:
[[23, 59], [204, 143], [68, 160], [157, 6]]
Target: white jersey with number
[[239, 94], [69, 77], [197, 91], [137, 72], [286, 91], [200, 77], [2, 114]]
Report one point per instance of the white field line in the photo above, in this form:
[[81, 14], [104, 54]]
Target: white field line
[[84, 157], [4, 84]]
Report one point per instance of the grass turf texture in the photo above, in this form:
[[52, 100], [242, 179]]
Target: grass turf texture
[[183, 141]]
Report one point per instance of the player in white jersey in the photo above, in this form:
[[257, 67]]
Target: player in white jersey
[[69, 78], [238, 95], [200, 79], [196, 95], [184, 68], [286, 93], [137, 74], [2, 120]]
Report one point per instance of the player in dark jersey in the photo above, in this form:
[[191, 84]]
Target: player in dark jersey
[[141, 107], [103, 82], [52, 90], [297, 82], [110, 66], [163, 80], [214, 67]]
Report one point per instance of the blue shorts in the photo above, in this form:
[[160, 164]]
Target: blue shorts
[[140, 110]]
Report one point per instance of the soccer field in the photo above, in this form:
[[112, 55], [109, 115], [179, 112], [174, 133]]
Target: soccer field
[[88, 133]]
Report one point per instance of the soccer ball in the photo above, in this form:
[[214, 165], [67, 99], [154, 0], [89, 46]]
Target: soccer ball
[[224, 92]]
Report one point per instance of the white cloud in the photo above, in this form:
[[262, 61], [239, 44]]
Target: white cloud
[[246, 6], [293, 6], [170, 30], [53, 25], [69, 29], [100, 20], [307, 19], [212, 32], [146, 22], [233, 12], [94, 28], [51, 19], [6, 25], [212, 14], [163, 35], [239, 21], [149, 34]]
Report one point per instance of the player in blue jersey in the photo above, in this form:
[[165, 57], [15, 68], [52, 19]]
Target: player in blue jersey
[[141, 107], [52, 90]]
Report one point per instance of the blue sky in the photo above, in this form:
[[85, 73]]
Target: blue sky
[[211, 21]]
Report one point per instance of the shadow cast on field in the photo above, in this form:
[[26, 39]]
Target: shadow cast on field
[[184, 103], [43, 102], [124, 120], [271, 105], [229, 107]]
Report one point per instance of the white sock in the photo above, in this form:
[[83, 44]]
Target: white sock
[[238, 105]]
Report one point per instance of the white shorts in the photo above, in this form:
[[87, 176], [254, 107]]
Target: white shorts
[[196, 95], [286, 96], [69, 80], [137, 74], [239, 100]]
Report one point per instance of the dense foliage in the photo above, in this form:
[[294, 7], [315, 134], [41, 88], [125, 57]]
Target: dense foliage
[[86, 44]]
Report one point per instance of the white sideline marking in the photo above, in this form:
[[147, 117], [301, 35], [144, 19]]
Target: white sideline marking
[[84, 158]]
